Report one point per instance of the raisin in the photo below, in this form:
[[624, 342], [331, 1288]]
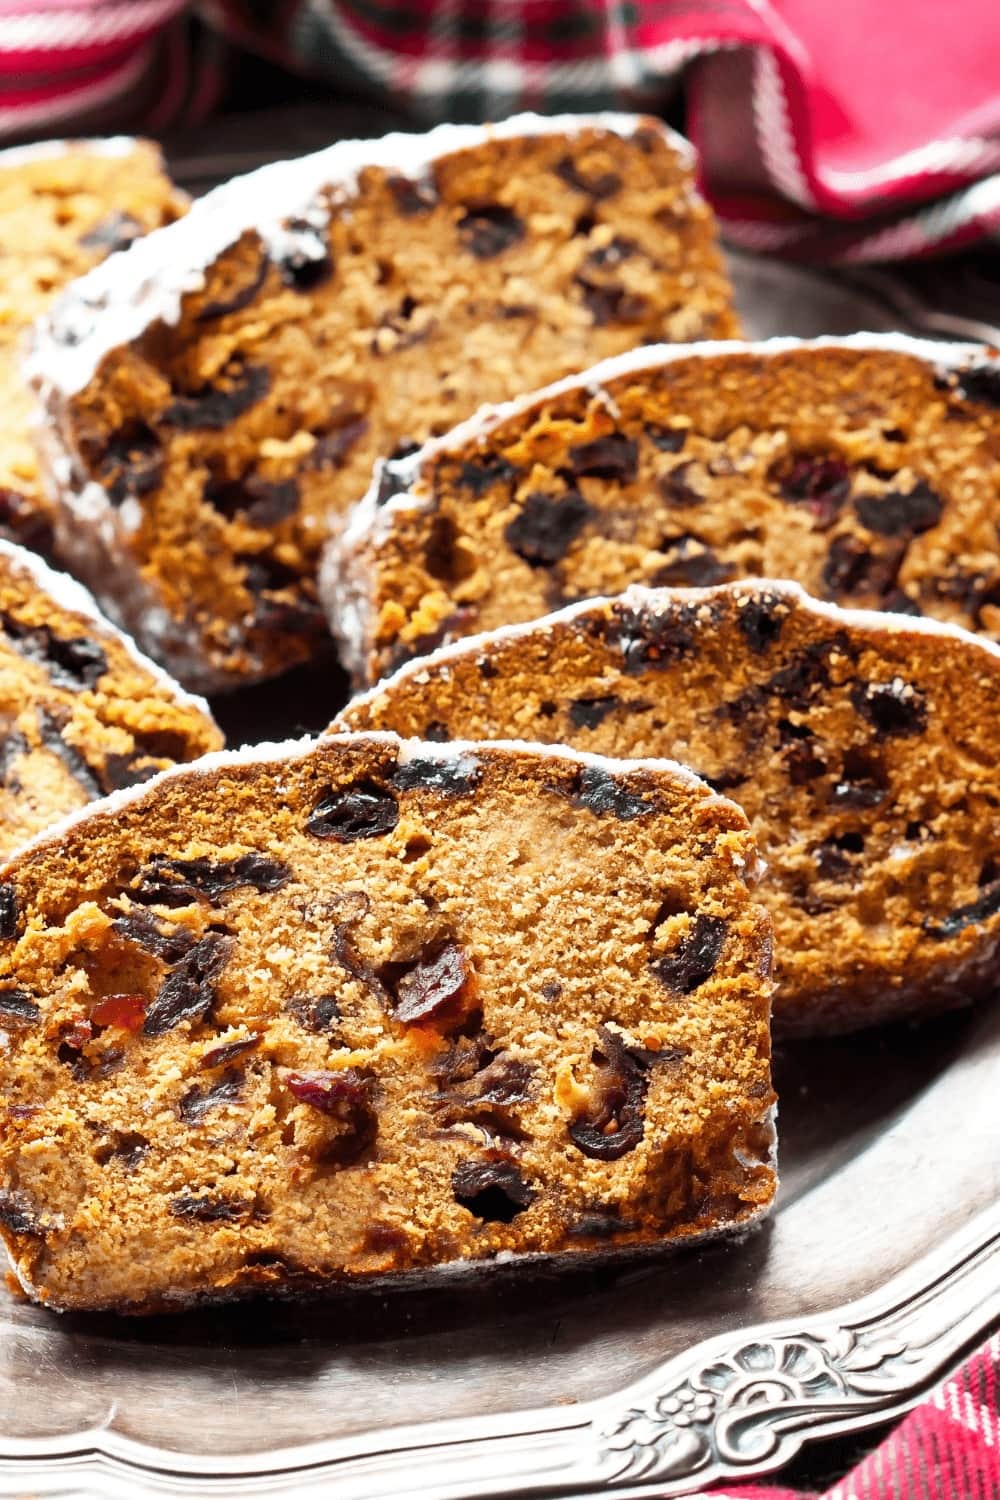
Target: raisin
[[346, 1098], [300, 251], [601, 793], [167, 943], [502, 1080], [126, 1150], [75, 663], [494, 1190], [17, 1213], [50, 734], [456, 776], [657, 641], [862, 781], [213, 407], [547, 526], [850, 566], [898, 602], [18, 1010], [366, 810], [435, 730], [675, 490], [431, 987], [760, 621], [611, 303], [197, 1103], [898, 513], [490, 229], [205, 1209], [227, 1052], [614, 456], [894, 708], [319, 1013], [803, 764], [179, 882], [128, 1012], [616, 1124], [691, 564], [484, 473], [616, 251], [412, 195], [979, 383], [588, 713], [602, 1224], [819, 482], [596, 185], [238, 299], [261, 502], [188, 992], [981, 910], [132, 464], [114, 232], [667, 439], [695, 957], [334, 446]]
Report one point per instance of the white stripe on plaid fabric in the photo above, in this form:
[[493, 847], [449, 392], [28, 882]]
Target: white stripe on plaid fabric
[[773, 128], [932, 228], [969, 157], [26, 118], [50, 31]]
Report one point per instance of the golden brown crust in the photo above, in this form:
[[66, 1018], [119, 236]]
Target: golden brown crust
[[365, 1009]]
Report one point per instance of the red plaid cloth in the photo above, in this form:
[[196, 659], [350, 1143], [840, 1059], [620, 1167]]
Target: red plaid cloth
[[948, 1448]]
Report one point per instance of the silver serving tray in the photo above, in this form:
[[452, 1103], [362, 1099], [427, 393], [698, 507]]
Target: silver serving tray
[[879, 1269]]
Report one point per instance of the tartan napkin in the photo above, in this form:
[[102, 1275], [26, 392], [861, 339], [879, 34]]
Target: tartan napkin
[[853, 131]]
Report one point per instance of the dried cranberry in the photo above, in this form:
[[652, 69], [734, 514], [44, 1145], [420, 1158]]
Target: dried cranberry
[[188, 992], [125, 1011], [18, 1010], [366, 810], [614, 456], [894, 708], [438, 982], [821, 483], [695, 957], [596, 185], [330, 1092], [238, 299], [547, 526], [197, 1103], [490, 229], [494, 1190], [602, 793], [238, 388], [132, 464]]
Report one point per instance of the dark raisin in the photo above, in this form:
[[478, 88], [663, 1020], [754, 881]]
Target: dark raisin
[[333, 447], [601, 793], [366, 810], [345, 1098], [50, 734], [120, 771], [894, 708], [819, 482], [178, 882], [127, 1011], [188, 992], [490, 229], [319, 1013], [832, 862], [435, 730], [695, 957], [198, 1102], [614, 456], [438, 984], [803, 764], [484, 473], [613, 253], [167, 943], [238, 388], [8, 911], [850, 567], [898, 513], [503, 1080], [862, 781], [981, 910], [611, 303], [237, 299], [302, 255], [74, 663], [17, 1010], [346, 954], [17, 1213], [615, 1126], [441, 556], [494, 1190], [547, 526], [412, 195], [227, 1052], [588, 713], [455, 776], [132, 464], [261, 502], [675, 490], [205, 1209], [667, 439], [596, 185], [653, 640], [126, 1150], [979, 383], [898, 602], [691, 564], [115, 231], [761, 620], [603, 1224]]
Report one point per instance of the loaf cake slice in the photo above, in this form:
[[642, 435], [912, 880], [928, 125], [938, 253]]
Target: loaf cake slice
[[215, 399], [866, 468], [64, 207], [82, 712], [312, 1015], [862, 747]]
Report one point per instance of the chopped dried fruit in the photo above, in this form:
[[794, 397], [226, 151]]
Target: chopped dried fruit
[[761, 620], [236, 300], [982, 909], [493, 1190], [489, 230], [455, 777], [317, 1013], [227, 1052], [179, 882], [75, 663], [213, 408], [198, 1102], [125, 1011], [302, 255], [547, 526], [188, 993], [587, 713], [481, 474], [18, 1009], [695, 956], [612, 457], [439, 982], [132, 464], [820, 483], [115, 231], [603, 794], [17, 1213], [899, 512], [158, 938], [206, 1209], [596, 185], [366, 810], [892, 707]]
